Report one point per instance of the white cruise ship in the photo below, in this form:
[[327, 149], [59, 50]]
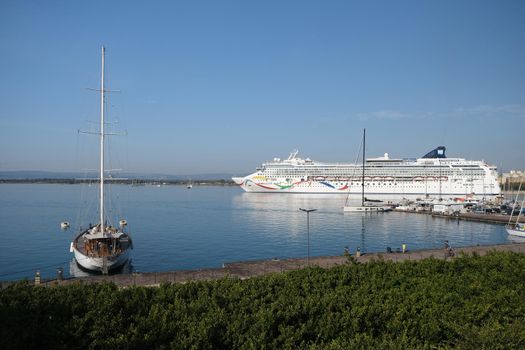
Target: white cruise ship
[[432, 175]]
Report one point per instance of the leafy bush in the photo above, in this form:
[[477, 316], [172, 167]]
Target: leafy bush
[[470, 302]]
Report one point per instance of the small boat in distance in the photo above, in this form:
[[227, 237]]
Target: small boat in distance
[[517, 228], [189, 186], [102, 247], [366, 205]]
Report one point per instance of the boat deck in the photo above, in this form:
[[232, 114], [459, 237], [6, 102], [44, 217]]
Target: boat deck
[[101, 247]]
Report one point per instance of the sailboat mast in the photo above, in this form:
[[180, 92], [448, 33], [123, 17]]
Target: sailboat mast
[[102, 145], [363, 177], [514, 206], [519, 213]]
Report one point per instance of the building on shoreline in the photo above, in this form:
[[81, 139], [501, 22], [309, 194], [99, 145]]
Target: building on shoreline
[[512, 178]]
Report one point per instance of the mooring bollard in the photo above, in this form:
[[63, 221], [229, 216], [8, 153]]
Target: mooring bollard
[[60, 274]]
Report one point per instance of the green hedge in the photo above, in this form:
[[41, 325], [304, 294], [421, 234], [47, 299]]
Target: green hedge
[[471, 302]]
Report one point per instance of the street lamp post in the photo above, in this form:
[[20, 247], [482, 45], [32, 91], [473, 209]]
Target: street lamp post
[[307, 211]]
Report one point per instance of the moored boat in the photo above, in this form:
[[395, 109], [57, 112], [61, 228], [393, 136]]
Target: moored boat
[[102, 247], [516, 228], [99, 251]]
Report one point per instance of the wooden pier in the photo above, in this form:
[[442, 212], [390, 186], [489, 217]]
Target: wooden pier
[[248, 269]]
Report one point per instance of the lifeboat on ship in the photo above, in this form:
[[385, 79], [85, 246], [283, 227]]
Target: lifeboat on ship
[[417, 178]]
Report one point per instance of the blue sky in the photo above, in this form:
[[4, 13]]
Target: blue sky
[[221, 86]]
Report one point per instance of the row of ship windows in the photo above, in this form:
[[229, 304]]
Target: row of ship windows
[[392, 185], [377, 179], [368, 167], [371, 173], [419, 185], [376, 183]]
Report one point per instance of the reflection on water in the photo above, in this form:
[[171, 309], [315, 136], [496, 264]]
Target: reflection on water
[[174, 229], [279, 212], [75, 270], [516, 239], [331, 230]]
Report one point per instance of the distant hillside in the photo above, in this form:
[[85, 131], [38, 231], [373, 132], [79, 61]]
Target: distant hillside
[[37, 174]]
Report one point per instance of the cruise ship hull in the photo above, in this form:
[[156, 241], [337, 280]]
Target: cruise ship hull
[[455, 177], [371, 189]]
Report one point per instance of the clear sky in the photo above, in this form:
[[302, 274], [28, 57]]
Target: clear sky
[[221, 86]]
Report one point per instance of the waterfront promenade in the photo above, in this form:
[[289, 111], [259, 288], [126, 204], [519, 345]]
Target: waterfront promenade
[[248, 269]]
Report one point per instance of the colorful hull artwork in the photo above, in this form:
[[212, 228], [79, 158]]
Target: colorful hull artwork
[[301, 186]]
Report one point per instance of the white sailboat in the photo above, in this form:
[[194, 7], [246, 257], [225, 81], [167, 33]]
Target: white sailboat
[[517, 228], [366, 205], [102, 247], [189, 185]]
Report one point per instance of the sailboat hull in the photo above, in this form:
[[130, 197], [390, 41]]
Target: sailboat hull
[[514, 231], [97, 252], [98, 264]]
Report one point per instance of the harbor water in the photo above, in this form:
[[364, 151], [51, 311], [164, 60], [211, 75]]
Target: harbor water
[[176, 228]]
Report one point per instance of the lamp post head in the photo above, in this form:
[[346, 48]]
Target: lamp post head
[[307, 210]]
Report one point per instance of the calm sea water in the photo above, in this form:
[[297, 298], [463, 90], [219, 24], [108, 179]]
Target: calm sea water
[[175, 228]]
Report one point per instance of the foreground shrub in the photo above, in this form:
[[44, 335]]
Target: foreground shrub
[[470, 302]]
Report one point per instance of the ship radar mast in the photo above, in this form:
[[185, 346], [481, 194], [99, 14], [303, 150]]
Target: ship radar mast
[[293, 154]]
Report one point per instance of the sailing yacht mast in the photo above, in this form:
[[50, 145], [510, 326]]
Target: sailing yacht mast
[[102, 229], [514, 206], [364, 208], [97, 248], [363, 176]]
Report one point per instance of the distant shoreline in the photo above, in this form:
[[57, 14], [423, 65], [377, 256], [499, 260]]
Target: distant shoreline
[[133, 182]]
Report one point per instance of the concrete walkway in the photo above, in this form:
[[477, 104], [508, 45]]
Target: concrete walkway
[[247, 269]]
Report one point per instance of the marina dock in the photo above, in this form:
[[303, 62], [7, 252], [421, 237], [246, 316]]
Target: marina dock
[[487, 218], [248, 269]]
